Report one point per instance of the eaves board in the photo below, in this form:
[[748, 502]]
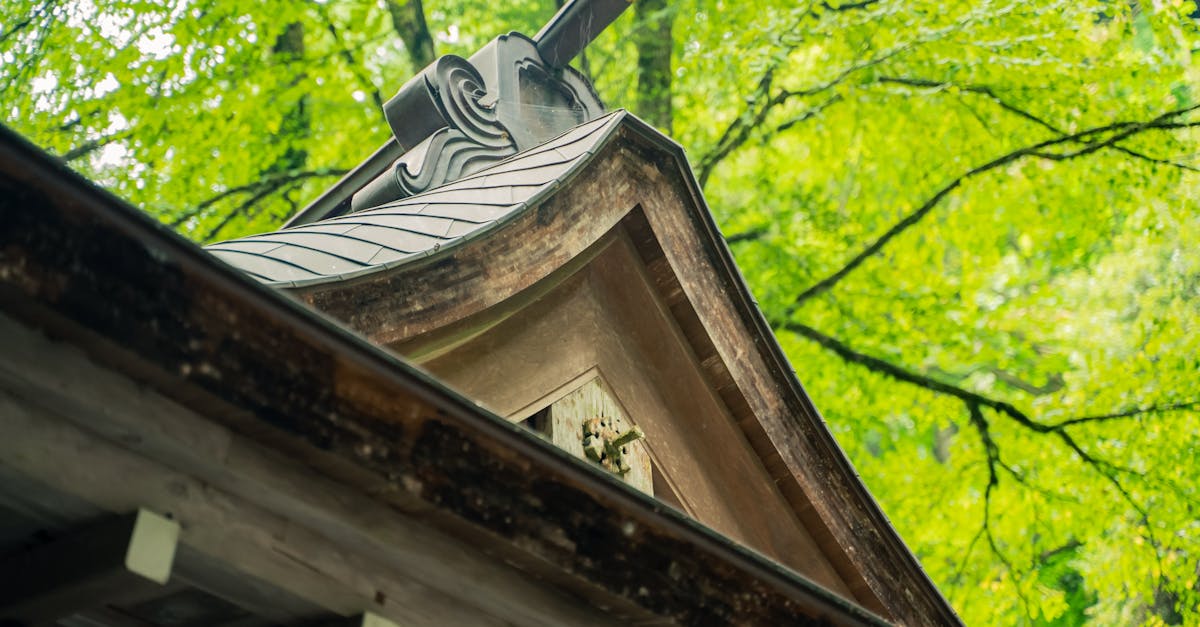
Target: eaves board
[[140, 300]]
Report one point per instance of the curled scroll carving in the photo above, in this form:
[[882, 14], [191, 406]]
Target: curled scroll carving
[[458, 116], [474, 138], [460, 90]]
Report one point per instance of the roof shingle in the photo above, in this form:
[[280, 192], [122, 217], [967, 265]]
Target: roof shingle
[[410, 228]]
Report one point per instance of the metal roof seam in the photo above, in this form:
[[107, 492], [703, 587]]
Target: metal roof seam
[[337, 235], [274, 259], [321, 251]]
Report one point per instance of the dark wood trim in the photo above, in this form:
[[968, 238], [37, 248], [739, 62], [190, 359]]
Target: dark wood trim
[[796, 443]]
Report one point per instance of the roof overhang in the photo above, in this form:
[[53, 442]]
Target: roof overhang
[[624, 175], [137, 299]]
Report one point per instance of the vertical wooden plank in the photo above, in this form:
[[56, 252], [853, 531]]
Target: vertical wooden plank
[[594, 401]]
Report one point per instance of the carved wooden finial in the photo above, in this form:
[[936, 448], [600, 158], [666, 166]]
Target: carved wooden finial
[[605, 446], [459, 115]]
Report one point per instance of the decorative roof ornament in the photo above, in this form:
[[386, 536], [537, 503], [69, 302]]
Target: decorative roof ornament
[[459, 116]]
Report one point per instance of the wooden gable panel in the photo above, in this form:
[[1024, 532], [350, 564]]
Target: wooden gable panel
[[588, 405], [607, 320], [636, 189]]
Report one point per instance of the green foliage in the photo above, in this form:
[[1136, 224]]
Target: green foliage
[[1066, 288], [1061, 282]]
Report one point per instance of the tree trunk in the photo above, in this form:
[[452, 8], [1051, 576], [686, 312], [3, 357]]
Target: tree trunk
[[408, 20], [294, 129], [654, 45]]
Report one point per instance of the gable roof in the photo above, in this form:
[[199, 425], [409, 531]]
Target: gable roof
[[139, 301], [530, 233]]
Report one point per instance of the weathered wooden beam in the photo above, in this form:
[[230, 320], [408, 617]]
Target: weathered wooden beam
[[118, 559], [259, 530]]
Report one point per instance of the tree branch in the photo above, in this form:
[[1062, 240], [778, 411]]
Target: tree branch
[[1054, 382], [841, 7], [253, 200], [92, 145], [408, 20], [990, 450], [1092, 139], [1108, 471], [898, 373], [1129, 413], [992, 456], [991, 94], [976, 89], [32, 58], [272, 182], [893, 371], [807, 115], [975, 402], [33, 16], [746, 236], [762, 103], [738, 131]]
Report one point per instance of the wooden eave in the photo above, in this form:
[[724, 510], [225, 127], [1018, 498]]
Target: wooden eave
[[88, 270], [636, 181]]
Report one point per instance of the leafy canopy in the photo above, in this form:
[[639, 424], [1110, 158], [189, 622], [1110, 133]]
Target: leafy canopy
[[974, 226]]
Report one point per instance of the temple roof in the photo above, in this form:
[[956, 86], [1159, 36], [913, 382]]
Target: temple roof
[[405, 230], [172, 335], [440, 259]]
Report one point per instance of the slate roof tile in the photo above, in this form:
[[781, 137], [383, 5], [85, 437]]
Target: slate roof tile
[[413, 227]]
